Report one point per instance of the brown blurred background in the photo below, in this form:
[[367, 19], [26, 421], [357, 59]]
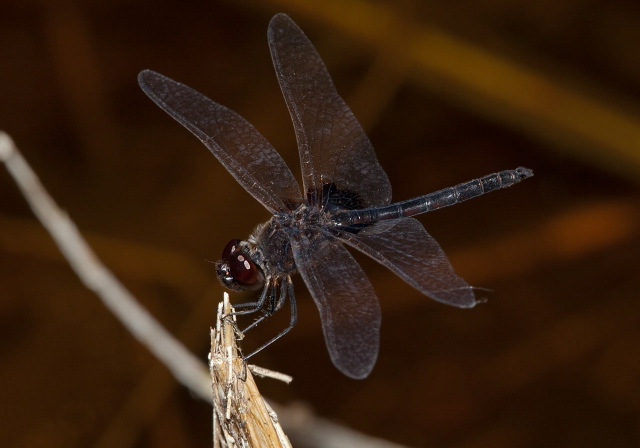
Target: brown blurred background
[[447, 92]]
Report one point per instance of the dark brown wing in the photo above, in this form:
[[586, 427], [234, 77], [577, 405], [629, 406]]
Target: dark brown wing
[[333, 146], [348, 305], [409, 251], [243, 151]]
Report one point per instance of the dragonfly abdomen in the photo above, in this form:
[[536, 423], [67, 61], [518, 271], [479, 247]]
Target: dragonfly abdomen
[[433, 201]]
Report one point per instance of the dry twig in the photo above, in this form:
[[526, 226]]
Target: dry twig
[[241, 417]]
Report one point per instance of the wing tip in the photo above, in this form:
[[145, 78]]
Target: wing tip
[[459, 297], [144, 75], [280, 19], [358, 373], [277, 25], [147, 79]]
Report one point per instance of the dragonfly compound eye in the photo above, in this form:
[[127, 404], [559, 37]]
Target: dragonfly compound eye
[[236, 271]]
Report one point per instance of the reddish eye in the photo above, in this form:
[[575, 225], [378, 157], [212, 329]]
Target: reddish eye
[[236, 270], [243, 270], [230, 248]]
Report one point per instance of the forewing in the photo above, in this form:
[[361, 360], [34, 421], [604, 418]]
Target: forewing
[[348, 306], [409, 251], [333, 146], [243, 151]]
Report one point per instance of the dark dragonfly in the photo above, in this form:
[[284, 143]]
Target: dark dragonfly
[[346, 200]]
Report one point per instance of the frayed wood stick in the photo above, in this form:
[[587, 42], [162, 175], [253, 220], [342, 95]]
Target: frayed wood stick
[[241, 417]]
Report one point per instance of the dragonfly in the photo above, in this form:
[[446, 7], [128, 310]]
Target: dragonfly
[[345, 200]]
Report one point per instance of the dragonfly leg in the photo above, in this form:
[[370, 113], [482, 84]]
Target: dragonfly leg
[[285, 289], [267, 303], [253, 307]]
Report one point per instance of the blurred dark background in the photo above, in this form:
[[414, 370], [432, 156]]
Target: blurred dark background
[[447, 92]]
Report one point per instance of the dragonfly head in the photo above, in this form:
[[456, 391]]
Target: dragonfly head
[[236, 271]]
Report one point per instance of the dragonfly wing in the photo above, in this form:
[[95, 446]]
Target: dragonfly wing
[[333, 146], [410, 252], [243, 151], [348, 305]]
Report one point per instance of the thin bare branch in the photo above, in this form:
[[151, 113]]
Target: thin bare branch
[[182, 364]]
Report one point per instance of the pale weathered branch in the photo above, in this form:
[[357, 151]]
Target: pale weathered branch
[[182, 364]]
